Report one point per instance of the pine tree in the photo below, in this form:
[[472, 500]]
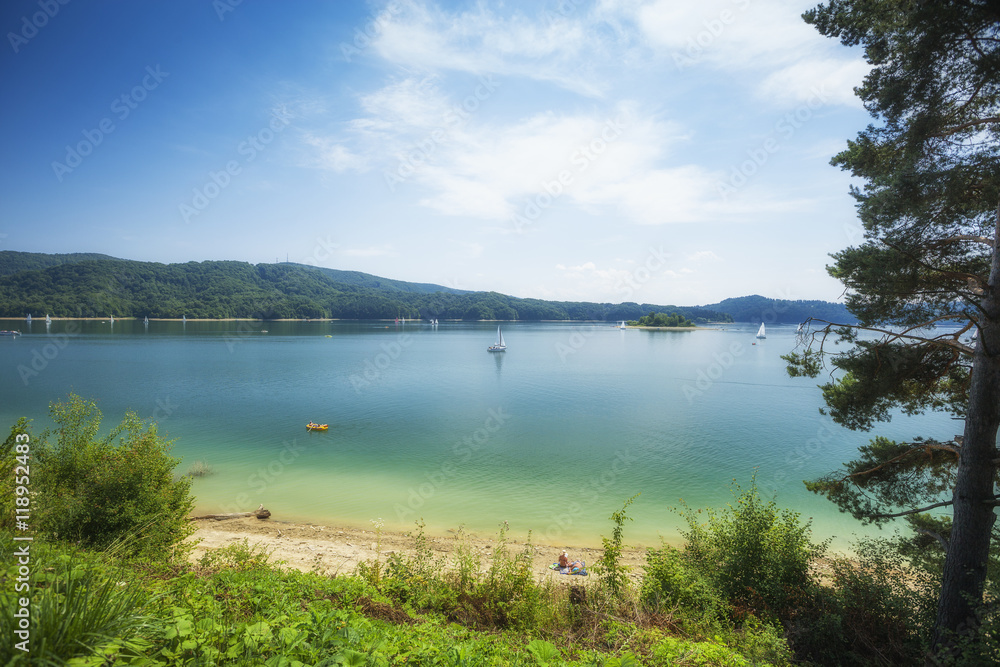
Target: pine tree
[[930, 207]]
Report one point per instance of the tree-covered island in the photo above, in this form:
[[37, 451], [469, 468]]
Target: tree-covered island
[[663, 321]]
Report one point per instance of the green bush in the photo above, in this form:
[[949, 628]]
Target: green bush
[[76, 604], [10, 457], [669, 582], [757, 556], [106, 490], [613, 574]]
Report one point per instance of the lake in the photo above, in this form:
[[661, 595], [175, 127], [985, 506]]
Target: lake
[[552, 435]]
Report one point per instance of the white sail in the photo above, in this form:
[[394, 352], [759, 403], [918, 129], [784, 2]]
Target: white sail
[[622, 325], [760, 332], [499, 345]]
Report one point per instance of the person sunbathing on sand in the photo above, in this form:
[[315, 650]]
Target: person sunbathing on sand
[[563, 560]]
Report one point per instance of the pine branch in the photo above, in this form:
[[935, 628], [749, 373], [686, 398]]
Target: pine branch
[[961, 237], [943, 503], [941, 446], [936, 536], [946, 340], [964, 126]]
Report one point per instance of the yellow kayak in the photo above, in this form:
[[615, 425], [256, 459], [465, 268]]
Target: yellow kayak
[[312, 426]]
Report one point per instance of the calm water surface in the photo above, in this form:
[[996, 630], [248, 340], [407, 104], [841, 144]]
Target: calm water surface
[[552, 435]]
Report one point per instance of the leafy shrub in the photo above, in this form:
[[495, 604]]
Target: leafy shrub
[[119, 488], [879, 610], [609, 567], [757, 556], [670, 582], [77, 604], [8, 461]]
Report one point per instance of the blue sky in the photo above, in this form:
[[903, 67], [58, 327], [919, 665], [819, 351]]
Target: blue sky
[[658, 151]]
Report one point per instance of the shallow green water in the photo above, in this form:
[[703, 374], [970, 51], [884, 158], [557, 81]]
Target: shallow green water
[[552, 435]]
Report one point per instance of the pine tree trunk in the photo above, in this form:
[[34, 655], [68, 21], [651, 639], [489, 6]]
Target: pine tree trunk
[[974, 511]]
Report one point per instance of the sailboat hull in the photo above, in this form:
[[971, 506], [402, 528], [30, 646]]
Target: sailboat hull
[[498, 346]]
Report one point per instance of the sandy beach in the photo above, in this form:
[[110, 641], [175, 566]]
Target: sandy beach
[[337, 550]]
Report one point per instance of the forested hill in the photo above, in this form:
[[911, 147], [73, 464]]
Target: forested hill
[[82, 286], [755, 308], [14, 262]]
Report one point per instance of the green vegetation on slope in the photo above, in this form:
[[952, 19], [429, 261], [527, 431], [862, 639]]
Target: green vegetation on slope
[[744, 590], [123, 288], [12, 261], [63, 287], [662, 320]]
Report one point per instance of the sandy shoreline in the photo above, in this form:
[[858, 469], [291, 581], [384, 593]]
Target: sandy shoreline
[[335, 550]]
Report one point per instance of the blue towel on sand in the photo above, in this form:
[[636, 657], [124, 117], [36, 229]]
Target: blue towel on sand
[[576, 567]]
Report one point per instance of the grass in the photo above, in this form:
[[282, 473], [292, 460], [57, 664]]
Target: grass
[[199, 469], [237, 606]]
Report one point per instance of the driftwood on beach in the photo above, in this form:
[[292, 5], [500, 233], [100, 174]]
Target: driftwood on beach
[[260, 513]]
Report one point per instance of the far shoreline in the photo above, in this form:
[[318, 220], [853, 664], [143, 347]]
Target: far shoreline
[[694, 328]]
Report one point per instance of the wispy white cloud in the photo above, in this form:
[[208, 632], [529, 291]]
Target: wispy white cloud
[[545, 46], [704, 255], [372, 251], [494, 160]]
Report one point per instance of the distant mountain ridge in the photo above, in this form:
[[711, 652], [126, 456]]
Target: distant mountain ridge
[[95, 285], [12, 261]]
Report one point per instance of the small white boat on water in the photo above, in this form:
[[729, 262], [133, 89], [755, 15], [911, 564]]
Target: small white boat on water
[[48, 320], [622, 325], [760, 332], [498, 346]]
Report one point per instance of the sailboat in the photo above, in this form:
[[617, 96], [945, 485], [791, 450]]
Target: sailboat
[[145, 320], [28, 319], [622, 325], [498, 346], [48, 320], [760, 332]]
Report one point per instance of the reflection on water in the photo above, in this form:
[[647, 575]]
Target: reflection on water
[[420, 426]]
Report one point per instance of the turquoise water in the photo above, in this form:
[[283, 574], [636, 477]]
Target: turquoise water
[[551, 436]]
